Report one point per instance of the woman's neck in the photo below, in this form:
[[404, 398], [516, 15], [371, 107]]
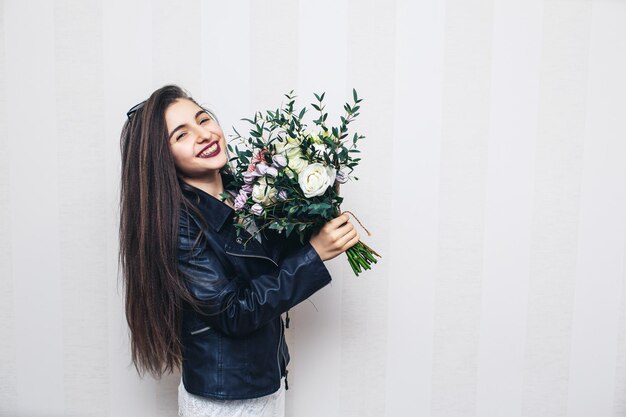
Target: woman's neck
[[211, 184]]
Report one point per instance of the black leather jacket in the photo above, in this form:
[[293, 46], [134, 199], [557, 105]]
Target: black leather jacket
[[235, 348]]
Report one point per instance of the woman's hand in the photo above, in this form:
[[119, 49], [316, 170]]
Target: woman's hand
[[336, 237]]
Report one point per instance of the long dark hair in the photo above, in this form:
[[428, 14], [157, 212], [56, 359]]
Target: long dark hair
[[150, 204]]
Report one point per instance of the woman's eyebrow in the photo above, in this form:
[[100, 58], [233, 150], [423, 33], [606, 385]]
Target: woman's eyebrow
[[177, 128]]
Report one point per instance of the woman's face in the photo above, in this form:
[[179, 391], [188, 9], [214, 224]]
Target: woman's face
[[196, 139]]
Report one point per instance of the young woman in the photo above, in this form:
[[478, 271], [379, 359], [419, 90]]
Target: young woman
[[196, 298]]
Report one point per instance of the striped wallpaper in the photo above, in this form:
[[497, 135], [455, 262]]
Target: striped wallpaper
[[494, 182]]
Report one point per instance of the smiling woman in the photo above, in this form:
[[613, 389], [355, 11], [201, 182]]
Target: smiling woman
[[197, 144], [196, 299]]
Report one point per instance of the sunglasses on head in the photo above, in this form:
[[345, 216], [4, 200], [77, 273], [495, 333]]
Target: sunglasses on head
[[135, 108]]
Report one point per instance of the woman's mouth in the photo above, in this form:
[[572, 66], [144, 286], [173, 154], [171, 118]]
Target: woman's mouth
[[209, 151]]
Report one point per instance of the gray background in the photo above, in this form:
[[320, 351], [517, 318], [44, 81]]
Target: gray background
[[494, 182]]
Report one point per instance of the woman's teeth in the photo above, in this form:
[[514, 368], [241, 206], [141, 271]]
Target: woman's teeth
[[209, 151]]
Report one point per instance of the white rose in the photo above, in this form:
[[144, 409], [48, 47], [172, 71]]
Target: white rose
[[315, 179], [263, 193], [296, 161]]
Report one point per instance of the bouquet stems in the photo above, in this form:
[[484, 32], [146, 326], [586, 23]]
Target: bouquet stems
[[361, 257]]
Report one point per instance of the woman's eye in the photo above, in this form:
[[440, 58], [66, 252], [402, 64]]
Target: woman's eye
[[181, 135], [204, 120]]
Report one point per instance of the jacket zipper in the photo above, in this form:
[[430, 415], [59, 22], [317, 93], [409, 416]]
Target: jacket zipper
[[282, 353]]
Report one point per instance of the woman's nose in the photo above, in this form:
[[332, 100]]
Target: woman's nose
[[203, 135]]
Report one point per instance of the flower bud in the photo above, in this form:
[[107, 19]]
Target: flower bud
[[279, 161], [261, 168], [271, 171], [240, 200], [249, 177], [342, 176], [256, 209]]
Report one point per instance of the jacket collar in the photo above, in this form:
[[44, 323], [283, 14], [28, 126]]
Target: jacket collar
[[215, 212]]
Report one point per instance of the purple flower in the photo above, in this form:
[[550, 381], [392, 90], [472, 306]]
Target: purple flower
[[342, 177], [271, 171], [256, 209], [240, 200], [261, 168], [249, 177], [247, 188], [282, 195], [279, 161]]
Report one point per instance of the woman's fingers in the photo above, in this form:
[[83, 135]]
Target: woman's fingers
[[339, 220], [347, 237], [341, 231], [335, 237], [351, 243]]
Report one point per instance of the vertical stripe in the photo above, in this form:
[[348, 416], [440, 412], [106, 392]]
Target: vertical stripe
[[316, 349], [514, 97], [414, 227], [371, 70], [619, 402], [273, 51], [556, 202], [176, 35], [127, 78], [8, 347], [600, 255], [80, 140], [225, 74], [34, 196], [461, 206]]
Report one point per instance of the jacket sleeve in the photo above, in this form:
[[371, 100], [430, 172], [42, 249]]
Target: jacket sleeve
[[238, 307]]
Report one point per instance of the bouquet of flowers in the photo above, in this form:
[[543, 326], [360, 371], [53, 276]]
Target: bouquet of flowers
[[288, 176]]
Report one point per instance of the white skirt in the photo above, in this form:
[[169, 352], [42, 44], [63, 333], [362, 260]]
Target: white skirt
[[190, 405]]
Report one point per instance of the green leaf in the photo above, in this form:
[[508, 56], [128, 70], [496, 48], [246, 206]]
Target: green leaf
[[276, 226], [354, 96]]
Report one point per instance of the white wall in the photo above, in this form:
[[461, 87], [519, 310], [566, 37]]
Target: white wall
[[494, 181]]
